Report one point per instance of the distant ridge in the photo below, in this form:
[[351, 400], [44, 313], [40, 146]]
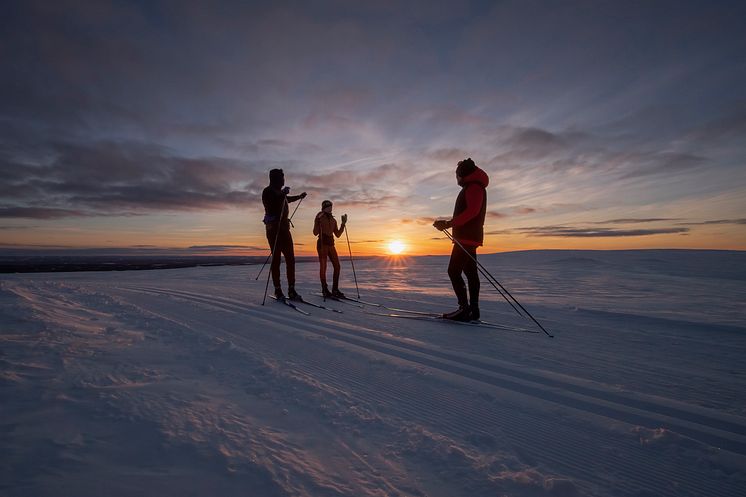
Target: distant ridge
[[54, 264]]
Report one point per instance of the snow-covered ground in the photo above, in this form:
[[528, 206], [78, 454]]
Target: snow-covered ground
[[179, 382]]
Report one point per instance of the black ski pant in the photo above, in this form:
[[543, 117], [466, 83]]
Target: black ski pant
[[328, 252], [283, 246], [462, 263]]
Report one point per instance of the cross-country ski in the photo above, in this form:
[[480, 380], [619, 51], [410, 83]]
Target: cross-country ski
[[440, 319], [289, 304]]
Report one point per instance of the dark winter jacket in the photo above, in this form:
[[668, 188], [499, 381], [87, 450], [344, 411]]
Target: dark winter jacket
[[470, 209], [275, 207]]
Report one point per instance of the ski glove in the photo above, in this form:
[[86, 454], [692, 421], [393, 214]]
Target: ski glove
[[286, 190], [303, 195], [344, 218], [441, 224]]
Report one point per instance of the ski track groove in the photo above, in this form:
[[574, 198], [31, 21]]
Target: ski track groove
[[560, 459], [561, 454], [601, 395], [611, 397], [557, 461], [672, 376], [461, 428], [539, 438], [541, 432]]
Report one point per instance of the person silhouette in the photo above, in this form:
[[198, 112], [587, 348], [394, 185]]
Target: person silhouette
[[324, 226], [467, 222], [275, 198]]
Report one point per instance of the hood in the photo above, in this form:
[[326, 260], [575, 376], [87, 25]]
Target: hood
[[276, 179], [478, 176]]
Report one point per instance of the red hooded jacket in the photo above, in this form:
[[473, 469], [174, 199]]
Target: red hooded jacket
[[471, 209]]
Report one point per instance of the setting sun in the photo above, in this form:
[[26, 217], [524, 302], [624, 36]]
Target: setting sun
[[396, 247]]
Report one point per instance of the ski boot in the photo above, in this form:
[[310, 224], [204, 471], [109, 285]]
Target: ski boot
[[278, 294], [461, 314], [325, 292], [474, 310], [337, 294], [293, 295]]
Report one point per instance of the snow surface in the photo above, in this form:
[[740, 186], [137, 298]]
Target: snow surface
[[179, 382]]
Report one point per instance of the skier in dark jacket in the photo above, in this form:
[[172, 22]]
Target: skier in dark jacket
[[275, 199], [468, 229]]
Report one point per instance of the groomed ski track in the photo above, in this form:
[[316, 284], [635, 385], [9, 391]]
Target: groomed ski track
[[481, 413]]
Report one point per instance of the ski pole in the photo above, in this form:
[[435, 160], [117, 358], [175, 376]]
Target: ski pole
[[296, 208], [486, 276], [270, 254], [352, 262], [501, 286], [265, 263]]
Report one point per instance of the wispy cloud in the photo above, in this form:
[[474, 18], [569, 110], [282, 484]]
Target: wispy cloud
[[729, 127], [523, 210], [448, 155], [665, 163], [125, 178], [637, 220], [423, 221], [108, 178], [39, 213], [741, 221], [579, 232], [224, 248]]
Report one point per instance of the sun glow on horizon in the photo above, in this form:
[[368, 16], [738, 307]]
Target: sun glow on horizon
[[396, 247]]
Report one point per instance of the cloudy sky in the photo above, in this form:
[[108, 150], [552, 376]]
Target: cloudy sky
[[149, 125]]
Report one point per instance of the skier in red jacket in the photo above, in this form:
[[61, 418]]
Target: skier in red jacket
[[468, 228]]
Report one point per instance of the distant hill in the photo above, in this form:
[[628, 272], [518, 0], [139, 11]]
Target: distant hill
[[728, 264]]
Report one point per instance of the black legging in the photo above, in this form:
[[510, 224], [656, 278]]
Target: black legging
[[461, 262], [328, 252], [284, 247]]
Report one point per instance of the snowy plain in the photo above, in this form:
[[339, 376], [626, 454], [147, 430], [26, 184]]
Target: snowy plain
[[180, 383]]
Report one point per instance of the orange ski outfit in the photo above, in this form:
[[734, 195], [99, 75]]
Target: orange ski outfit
[[325, 227]]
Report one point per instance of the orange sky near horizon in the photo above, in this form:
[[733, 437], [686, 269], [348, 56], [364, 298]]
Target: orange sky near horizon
[[366, 239]]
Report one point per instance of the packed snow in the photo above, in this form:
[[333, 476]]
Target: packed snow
[[181, 383]]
